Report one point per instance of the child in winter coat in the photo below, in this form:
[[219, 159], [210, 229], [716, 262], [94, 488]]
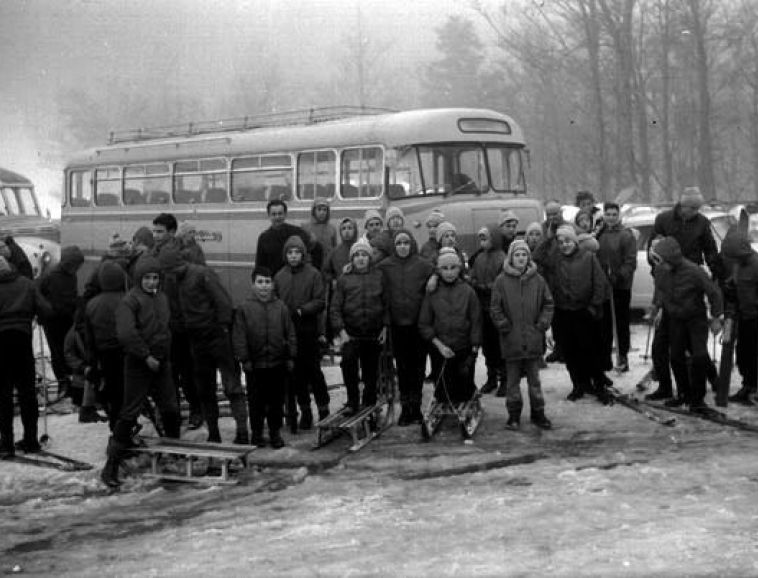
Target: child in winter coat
[[301, 287], [265, 343], [19, 304], [142, 327], [486, 267], [430, 249], [319, 226], [359, 317], [521, 309], [104, 350], [405, 276], [340, 256], [83, 391], [451, 319]]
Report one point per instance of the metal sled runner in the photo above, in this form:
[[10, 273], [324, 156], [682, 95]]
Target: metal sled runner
[[369, 422]]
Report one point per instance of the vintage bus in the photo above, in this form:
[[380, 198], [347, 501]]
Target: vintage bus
[[21, 217], [469, 163]]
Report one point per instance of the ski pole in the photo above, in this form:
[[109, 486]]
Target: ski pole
[[646, 355]]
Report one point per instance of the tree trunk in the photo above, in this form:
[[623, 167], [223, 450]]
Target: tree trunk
[[668, 158]]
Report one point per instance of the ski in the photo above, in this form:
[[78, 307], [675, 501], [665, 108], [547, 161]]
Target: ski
[[635, 405], [707, 413], [40, 463], [77, 465]]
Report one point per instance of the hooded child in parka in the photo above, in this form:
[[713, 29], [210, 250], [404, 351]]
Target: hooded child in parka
[[451, 319], [335, 262], [301, 287], [319, 226], [487, 265], [522, 309], [405, 275]]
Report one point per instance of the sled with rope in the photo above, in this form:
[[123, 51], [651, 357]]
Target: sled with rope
[[370, 421], [469, 414]]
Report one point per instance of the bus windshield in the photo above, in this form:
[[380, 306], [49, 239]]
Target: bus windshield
[[16, 201], [443, 169]]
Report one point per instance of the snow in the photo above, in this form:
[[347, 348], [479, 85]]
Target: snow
[[606, 493]]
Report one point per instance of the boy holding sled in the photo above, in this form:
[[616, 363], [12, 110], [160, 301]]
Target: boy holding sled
[[265, 343], [521, 309], [451, 319]]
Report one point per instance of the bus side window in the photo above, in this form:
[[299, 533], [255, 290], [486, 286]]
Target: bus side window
[[133, 197], [281, 192], [349, 191], [80, 188], [158, 198], [184, 197], [215, 195]]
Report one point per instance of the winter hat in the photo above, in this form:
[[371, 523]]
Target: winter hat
[[145, 265], [117, 246], [370, 215], [294, 242], [355, 228], [394, 211], [435, 218], [567, 231], [506, 216], [320, 202], [518, 244], [5, 267], [533, 226], [143, 236], [587, 242], [170, 258], [443, 228], [360, 245], [448, 256], [691, 197], [72, 255], [669, 250], [552, 207], [111, 276]]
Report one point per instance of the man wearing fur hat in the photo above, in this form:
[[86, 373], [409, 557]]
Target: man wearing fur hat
[[60, 287]]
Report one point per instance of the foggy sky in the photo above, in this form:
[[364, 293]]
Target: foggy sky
[[109, 47]]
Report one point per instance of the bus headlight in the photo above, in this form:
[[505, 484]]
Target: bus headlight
[[46, 259]]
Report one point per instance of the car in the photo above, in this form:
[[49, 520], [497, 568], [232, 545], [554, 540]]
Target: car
[[642, 225]]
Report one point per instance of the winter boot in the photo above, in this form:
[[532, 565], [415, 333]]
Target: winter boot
[[491, 384], [306, 418], [6, 448], [28, 446], [659, 394], [90, 415], [276, 439], [109, 475], [323, 412], [405, 418], [538, 418], [214, 436], [576, 393], [238, 405], [742, 396]]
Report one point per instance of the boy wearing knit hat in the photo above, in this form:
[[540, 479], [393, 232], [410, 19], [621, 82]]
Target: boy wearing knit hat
[[372, 222], [508, 224], [451, 320], [521, 303], [430, 249], [359, 317], [301, 287]]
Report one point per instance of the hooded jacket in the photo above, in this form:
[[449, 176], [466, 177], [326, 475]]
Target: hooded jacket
[[453, 315], [301, 288], [142, 318], [100, 312], [579, 283], [680, 285], [202, 300], [20, 302], [694, 237], [323, 231], [60, 285], [521, 309], [359, 304], [742, 267], [405, 283], [340, 255], [263, 333], [487, 265], [618, 254]]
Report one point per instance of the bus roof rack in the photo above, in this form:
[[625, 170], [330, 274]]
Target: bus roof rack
[[274, 119]]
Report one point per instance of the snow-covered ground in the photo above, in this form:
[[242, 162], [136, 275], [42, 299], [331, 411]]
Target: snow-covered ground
[[605, 493]]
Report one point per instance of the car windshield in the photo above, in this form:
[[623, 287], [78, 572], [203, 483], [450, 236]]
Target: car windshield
[[16, 201], [444, 169]]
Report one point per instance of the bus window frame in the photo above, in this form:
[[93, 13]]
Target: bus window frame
[[382, 165], [144, 177], [336, 171], [69, 193], [226, 171], [521, 174], [292, 168], [120, 181]]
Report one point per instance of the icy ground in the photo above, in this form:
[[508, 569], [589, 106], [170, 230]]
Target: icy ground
[[605, 493]]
